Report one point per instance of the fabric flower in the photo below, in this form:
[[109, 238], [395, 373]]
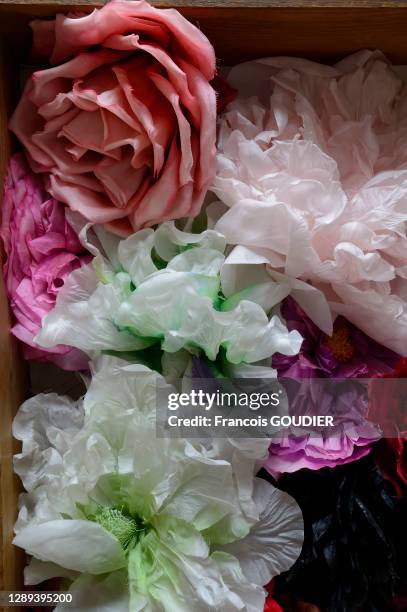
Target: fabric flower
[[271, 605], [391, 458], [42, 250], [312, 172], [352, 531], [346, 356], [147, 523], [289, 604], [164, 288], [123, 123], [387, 406]]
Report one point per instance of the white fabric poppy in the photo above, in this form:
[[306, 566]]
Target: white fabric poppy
[[147, 519]]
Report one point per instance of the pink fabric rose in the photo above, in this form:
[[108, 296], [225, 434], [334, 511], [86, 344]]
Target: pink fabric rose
[[124, 124], [42, 249]]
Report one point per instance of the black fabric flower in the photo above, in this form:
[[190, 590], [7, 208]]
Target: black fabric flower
[[355, 538]]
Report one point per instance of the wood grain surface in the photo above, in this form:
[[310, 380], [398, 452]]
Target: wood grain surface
[[12, 390], [235, 3], [322, 34]]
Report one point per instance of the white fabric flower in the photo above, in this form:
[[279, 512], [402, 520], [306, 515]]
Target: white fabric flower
[[146, 521], [312, 172], [164, 287]]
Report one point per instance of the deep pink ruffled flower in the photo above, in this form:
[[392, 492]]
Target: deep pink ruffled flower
[[345, 356], [124, 124], [42, 249]]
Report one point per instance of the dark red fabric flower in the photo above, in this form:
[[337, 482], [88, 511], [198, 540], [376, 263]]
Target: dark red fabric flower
[[271, 605], [388, 408]]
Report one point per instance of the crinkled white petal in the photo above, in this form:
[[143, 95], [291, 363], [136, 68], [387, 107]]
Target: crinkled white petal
[[206, 262], [45, 424], [84, 313], [252, 596], [246, 457], [124, 303], [275, 541], [244, 271], [185, 297], [134, 255], [106, 593], [118, 386], [312, 300], [37, 571], [78, 545], [251, 337], [169, 240], [381, 315], [35, 508], [95, 238], [199, 581], [244, 268], [244, 331]]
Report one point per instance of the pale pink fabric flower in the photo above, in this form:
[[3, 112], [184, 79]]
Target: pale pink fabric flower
[[312, 164], [124, 123], [42, 249]]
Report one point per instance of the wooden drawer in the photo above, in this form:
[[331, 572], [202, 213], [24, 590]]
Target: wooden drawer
[[239, 30]]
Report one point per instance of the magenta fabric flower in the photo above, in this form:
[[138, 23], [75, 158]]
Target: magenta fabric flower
[[345, 356], [124, 123], [42, 249]]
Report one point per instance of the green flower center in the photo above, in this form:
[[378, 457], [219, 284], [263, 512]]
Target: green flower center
[[126, 528]]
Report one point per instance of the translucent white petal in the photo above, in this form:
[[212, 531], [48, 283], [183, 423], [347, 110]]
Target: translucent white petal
[[170, 241], [251, 337], [275, 541], [98, 594], [84, 313], [82, 546], [380, 315], [134, 254], [45, 424], [37, 571], [207, 262]]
